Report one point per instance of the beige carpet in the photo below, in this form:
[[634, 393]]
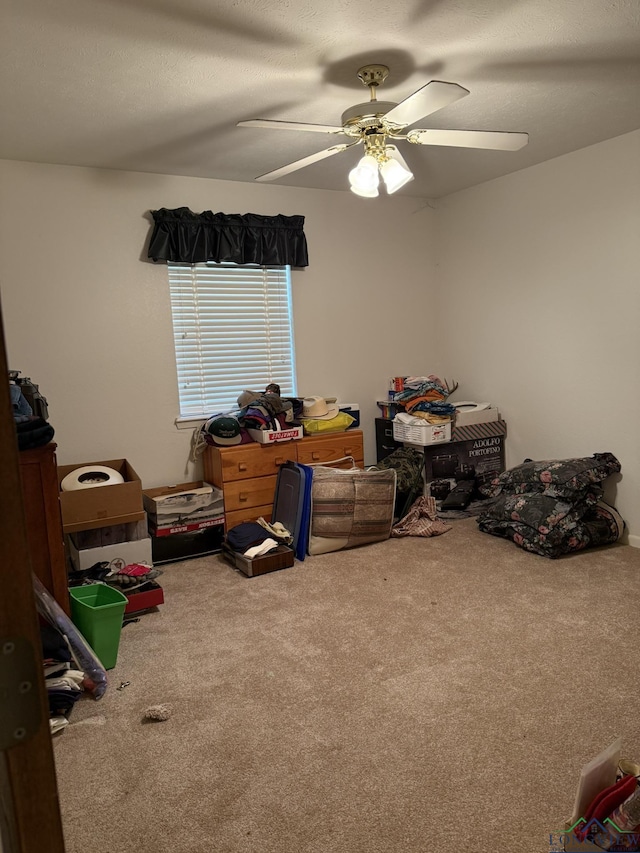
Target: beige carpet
[[416, 695]]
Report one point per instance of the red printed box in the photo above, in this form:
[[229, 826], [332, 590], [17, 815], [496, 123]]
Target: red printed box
[[271, 436], [185, 528], [149, 595]]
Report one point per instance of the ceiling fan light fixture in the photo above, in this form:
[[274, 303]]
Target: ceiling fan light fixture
[[395, 174], [372, 123], [364, 178], [364, 192]]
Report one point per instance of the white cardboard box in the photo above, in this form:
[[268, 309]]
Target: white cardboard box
[[271, 436], [136, 550], [467, 417]]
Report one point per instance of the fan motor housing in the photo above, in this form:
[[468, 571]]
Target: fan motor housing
[[361, 116]]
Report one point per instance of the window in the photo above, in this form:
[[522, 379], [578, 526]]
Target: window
[[232, 329]]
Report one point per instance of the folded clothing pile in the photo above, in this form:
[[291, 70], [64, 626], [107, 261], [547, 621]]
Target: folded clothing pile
[[553, 507], [255, 538], [268, 410], [424, 398]]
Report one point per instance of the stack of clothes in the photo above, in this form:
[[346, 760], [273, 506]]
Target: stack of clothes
[[553, 507], [268, 410], [263, 410], [254, 538], [424, 397]]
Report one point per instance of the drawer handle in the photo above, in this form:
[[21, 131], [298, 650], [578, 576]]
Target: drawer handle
[[242, 466], [348, 451], [279, 460], [243, 496], [315, 455]]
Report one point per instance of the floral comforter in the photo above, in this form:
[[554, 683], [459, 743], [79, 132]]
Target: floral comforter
[[553, 507]]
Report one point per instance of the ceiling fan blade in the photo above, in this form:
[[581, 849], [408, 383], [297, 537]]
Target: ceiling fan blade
[[495, 139], [289, 125], [306, 161], [430, 98]]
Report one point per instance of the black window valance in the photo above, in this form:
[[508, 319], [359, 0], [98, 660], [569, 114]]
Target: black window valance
[[185, 237]]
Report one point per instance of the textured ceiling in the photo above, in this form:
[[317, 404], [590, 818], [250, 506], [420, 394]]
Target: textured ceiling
[[158, 85]]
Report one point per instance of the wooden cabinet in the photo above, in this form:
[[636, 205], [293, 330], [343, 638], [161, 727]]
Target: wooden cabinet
[[247, 473], [39, 475]]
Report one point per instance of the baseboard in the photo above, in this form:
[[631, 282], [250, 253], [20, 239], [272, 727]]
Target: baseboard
[[634, 541]]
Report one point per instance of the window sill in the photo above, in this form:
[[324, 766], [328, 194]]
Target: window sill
[[190, 423]]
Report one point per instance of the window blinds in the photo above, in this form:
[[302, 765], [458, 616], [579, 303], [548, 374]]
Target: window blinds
[[233, 330]]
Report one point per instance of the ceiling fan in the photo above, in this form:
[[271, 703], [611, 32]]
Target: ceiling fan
[[377, 124]]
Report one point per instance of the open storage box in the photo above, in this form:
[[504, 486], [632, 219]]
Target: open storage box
[[112, 504], [281, 557], [120, 545]]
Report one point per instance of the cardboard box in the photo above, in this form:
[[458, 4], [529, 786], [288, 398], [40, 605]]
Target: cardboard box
[[422, 434], [473, 432], [480, 445], [101, 506], [118, 555], [270, 436], [183, 507], [114, 534], [186, 528], [466, 417]]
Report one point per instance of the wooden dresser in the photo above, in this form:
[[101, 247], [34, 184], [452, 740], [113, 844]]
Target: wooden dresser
[[247, 473], [39, 475]]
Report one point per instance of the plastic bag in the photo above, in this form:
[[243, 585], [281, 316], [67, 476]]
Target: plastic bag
[[81, 651], [316, 426]]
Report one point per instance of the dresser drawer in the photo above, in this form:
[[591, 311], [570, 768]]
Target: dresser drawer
[[248, 461], [328, 448], [257, 491], [251, 513]]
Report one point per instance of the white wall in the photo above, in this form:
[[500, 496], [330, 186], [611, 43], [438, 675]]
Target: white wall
[[538, 307], [88, 317]]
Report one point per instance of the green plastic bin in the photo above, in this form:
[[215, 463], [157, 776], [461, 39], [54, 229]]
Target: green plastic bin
[[97, 611]]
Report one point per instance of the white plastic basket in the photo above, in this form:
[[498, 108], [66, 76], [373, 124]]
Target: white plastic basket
[[422, 434]]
